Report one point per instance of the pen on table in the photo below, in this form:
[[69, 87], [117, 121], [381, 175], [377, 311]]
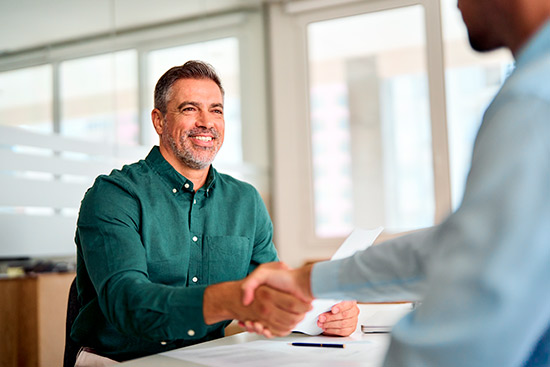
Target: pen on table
[[320, 345]]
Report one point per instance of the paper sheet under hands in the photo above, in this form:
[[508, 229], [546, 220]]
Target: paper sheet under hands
[[358, 240], [277, 352]]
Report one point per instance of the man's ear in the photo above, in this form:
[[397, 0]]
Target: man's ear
[[158, 121]]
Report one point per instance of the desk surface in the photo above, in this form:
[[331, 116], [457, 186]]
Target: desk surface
[[365, 350]]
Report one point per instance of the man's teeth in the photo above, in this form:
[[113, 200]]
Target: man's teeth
[[203, 138]]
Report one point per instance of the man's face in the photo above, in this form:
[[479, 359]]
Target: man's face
[[481, 19], [193, 127]]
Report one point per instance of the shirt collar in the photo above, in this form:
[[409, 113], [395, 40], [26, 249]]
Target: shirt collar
[[210, 180], [175, 180], [536, 46]]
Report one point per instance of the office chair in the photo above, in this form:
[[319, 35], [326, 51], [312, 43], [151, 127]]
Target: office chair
[[73, 307]]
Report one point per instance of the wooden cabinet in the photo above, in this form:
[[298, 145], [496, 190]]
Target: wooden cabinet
[[32, 320]]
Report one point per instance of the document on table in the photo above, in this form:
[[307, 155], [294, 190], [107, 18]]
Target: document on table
[[280, 353], [358, 240]]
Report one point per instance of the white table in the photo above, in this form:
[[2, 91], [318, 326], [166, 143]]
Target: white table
[[365, 350], [376, 345]]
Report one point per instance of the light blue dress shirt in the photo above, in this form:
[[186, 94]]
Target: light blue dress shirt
[[483, 275]]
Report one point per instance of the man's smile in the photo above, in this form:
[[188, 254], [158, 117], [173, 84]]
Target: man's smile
[[202, 138], [203, 141]]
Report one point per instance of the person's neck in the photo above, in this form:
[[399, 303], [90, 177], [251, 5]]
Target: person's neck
[[197, 176], [532, 20]]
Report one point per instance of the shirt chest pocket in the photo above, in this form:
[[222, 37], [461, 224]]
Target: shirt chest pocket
[[228, 258]]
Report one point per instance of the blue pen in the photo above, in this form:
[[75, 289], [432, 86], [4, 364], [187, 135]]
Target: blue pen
[[320, 345]]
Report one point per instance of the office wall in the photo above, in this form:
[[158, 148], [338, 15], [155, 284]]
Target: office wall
[[93, 114], [275, 135]]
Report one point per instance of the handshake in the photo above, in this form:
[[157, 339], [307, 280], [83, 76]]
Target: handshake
[[272, 300]]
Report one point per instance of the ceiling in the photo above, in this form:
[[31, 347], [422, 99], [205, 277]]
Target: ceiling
[[28, 24]]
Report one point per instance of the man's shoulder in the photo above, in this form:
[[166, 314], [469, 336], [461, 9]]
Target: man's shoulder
[[127, 175], [228, 182], [120, 186]]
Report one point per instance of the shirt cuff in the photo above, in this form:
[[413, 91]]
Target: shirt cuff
[[325, 279], [188, 321]]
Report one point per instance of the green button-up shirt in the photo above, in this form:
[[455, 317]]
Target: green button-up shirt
[[147, 247]]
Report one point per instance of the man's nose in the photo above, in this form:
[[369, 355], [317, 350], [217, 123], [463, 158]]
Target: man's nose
[[204, 119]]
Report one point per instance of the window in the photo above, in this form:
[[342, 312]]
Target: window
[[368, 78], [89, 112], [99, 98], [472, 80], [370, 122], [26, 98]]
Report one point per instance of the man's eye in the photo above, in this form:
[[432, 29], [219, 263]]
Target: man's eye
[[218, 112], [188, 109]]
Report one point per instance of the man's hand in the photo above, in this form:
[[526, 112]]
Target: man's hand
[[341, 320], [277, 312], [295, 282]]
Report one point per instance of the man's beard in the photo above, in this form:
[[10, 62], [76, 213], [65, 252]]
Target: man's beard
[[188, 155]]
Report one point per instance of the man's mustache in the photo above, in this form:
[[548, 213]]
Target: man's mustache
[[202, 131]]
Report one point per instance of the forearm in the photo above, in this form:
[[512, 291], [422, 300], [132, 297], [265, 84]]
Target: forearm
[[137, 307], [302, 278], [392, 271], [222, 302]]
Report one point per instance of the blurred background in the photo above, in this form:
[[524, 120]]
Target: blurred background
[[342, 113]]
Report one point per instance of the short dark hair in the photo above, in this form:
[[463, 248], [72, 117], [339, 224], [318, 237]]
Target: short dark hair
[[192, 69]]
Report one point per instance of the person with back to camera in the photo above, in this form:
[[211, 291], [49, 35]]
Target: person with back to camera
[[483, 274]]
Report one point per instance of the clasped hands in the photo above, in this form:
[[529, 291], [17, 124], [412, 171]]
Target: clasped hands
[[287, 294]]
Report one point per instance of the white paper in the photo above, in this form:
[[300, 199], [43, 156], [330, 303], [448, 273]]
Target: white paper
[[358, 240], [309, 324], [280, 353]]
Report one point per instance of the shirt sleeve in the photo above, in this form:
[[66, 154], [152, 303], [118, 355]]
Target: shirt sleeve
[[115, 260], [264, 250], [391, 271], [484, 270]]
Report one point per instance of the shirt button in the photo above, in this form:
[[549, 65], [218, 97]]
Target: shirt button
[[194, 201], [186, 185], [195, 239], [163, 342], [191, 332], [174, 190], [195, 279]]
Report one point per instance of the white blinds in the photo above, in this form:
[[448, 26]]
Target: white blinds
[[43, 179]]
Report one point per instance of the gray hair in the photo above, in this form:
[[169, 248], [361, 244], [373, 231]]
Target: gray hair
[[193, 69]]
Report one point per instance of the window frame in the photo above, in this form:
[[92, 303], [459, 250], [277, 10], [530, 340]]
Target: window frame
[[246, 25], [293, 171]]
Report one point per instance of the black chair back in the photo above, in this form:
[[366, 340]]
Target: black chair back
[[71, 347]]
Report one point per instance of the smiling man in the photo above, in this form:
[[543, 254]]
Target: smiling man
[[162, 244]]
